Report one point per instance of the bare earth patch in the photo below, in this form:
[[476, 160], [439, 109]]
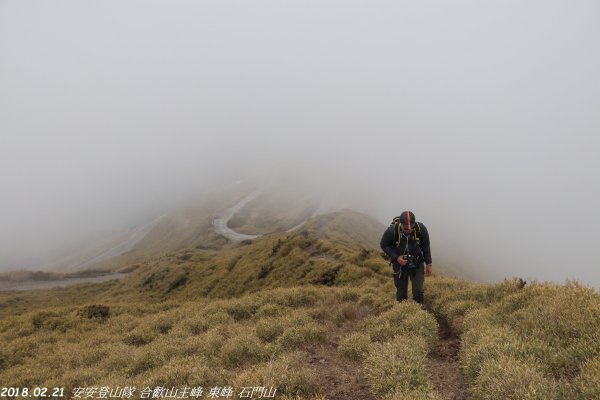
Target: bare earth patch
[[340, 378], [447, 376]]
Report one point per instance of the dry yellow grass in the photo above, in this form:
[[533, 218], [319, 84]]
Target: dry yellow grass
[[246, 315], [534, 342]]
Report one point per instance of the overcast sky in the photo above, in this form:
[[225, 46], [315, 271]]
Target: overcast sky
[[480, 116]]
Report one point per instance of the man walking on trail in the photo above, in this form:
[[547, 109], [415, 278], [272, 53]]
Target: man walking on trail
[[406, 242]]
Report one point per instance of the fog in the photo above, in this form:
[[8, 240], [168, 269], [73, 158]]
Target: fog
[[481, 117]]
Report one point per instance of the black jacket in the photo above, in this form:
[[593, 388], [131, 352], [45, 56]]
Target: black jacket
[[407, 245]]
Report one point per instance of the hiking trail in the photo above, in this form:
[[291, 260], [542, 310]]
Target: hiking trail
[[339, 377], [446, 372]]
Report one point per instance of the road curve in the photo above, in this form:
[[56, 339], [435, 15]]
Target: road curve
[[220, 222]]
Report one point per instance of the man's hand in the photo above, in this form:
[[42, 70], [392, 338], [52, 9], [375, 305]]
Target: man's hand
[[401, 261], [428, 270]]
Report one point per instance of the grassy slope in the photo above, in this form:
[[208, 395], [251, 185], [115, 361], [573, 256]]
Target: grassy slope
[[306, 256], [248, 314]]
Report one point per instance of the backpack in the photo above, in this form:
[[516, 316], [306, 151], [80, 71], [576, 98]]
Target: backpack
[[397, 235]]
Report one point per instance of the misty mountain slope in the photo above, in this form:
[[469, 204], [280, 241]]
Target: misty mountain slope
[[276, 260], [347, 228], [186, 226], [178, 228], [276, 209], [284, 259], [74, 261]]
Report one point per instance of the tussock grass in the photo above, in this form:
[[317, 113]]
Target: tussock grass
[[269, 329], [191, 371], [288, 373], [241, 350], [299, 335], [511, 378], [398, 366], [197, 324], [492, 342], [538, 341], [393, 347], [587, 384], [355, 346], [413, 395], [145, 344], [406, 319]]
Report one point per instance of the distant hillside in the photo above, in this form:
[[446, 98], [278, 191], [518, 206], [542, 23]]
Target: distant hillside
[[190, 226], [276, 209], [186, 226], [190, 229], [284, 259], [347, 227], [100, 250]]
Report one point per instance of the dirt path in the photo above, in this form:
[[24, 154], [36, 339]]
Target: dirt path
[[340, 378], [443, 363]]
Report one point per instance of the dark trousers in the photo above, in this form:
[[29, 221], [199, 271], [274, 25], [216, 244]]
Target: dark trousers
[[417, 279]]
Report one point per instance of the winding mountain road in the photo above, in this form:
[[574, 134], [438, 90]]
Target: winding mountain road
[[220, 222]]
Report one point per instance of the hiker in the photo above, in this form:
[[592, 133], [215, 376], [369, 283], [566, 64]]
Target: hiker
[[406, 242]]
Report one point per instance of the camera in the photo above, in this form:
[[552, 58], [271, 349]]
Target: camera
[[411, 260]]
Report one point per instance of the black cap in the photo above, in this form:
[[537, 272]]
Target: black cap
[[407, 218]]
